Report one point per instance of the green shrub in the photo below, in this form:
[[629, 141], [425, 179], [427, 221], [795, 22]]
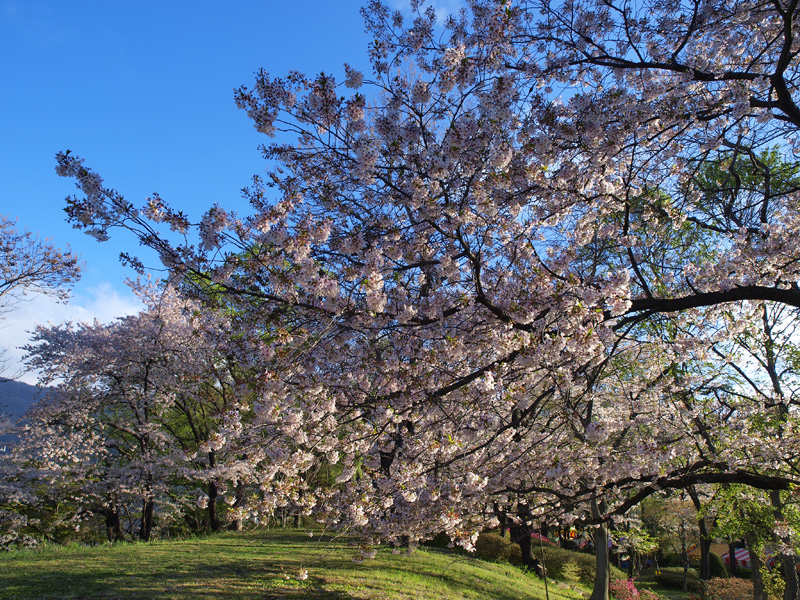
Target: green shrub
[[570, 572], [672, 577], [556, 561], [716, 566], [490, 546]]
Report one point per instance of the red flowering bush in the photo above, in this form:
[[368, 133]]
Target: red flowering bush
[[624, 589], [538, 538]]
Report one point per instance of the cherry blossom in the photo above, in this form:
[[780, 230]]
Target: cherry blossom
[[500, 277]]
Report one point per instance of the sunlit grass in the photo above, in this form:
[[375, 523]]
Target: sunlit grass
[[261, 565]]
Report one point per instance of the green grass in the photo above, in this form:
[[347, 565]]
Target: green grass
[[256, 565]]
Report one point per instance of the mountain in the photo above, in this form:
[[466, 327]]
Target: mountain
[[16, 397]]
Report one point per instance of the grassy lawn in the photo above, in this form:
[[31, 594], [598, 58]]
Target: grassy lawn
[[256, 565]]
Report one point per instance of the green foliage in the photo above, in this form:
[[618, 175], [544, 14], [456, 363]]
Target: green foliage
[[745, 511], [491, 546], [745, 175], [557, 559], [672, 577], [716, 566], [773, 582], [570, 572]]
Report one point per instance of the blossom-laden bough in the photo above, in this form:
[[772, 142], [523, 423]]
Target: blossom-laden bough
[[496, 274]]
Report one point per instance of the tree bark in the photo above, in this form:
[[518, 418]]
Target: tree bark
[[705, 536], [213, 518], [521, 534], [146, 525], [602, 565], [759, 593], [113, 526], [684, 557], [733, 567], [237, 524]]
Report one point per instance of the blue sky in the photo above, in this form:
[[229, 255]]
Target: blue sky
[[144, 92]]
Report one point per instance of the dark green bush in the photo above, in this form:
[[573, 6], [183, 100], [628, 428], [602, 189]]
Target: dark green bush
[[716, 565], [672, 577]]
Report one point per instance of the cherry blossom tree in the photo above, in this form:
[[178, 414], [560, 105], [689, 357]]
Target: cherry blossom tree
[[496, 268], [130, 405], [32, 265]]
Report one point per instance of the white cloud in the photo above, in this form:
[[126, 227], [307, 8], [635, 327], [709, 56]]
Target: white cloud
[[103, 302]]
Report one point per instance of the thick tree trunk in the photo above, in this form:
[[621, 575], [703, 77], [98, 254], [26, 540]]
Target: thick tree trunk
[[602, 564], [113, 526], [146, 525], [521, 534], [792, 589], [705, 551], [759, 593]]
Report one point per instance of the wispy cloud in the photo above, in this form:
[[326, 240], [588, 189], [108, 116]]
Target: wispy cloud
[[102, 302]]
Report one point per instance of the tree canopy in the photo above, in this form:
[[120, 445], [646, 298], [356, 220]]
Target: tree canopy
[[505, 268]]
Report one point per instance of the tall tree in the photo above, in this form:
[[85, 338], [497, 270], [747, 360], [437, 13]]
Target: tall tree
[[131, 405], [494, 260], [29, 264]]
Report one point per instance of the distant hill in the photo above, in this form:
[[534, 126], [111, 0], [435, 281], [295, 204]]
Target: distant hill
[[16, 397]]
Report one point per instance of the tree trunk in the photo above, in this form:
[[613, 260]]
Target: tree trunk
[[759, 593], [213, 519], [237, 523], [705, 551], [521, 534], [705, 536], [113, 526], [733, 567], [684, 557], [146, 525], [790, 591], [602, 564]]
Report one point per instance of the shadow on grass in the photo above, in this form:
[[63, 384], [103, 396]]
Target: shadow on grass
[[228, 580], [256, 567]]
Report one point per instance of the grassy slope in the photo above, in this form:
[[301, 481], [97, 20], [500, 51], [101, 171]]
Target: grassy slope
[[255, 566]]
